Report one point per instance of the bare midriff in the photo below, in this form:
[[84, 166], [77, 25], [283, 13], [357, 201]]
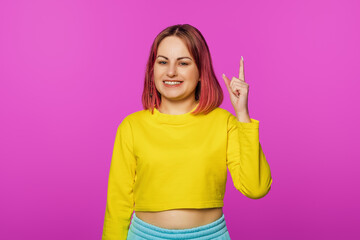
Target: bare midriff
[[180, 218]]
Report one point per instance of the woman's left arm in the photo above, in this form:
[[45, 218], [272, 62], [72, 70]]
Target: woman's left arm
[[245, 159]]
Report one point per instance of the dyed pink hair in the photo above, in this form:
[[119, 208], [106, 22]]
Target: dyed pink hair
[[209, 92]]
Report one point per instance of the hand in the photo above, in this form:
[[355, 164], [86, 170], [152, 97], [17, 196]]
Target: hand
[[239, 91]]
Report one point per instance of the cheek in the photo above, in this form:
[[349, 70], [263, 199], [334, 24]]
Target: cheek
[[157, 72], [192, 74]]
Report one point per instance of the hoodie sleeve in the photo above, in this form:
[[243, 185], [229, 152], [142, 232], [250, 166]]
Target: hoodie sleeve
[[120, 201], [246, 161]]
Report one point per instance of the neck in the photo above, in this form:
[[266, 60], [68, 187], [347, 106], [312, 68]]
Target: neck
[[176, 108]]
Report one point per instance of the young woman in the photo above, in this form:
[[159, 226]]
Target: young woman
[[170, 160]]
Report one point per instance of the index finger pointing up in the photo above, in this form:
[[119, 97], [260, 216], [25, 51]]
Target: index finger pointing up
[[241, 71]]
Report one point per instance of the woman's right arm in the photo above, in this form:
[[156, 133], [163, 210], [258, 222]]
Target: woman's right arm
[[120, 201]]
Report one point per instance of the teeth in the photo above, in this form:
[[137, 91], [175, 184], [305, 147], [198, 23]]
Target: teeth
[[172, 83]]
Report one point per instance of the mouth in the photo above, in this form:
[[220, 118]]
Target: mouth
[[172, 83]]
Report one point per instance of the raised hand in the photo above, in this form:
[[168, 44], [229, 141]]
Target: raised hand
[[239, 91]]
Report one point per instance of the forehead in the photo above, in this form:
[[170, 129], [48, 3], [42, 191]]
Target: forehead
[[172, 46]]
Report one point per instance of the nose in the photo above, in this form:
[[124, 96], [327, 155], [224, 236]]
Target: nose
[[171, 71]]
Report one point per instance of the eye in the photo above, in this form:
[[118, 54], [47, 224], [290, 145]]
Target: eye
[[182, 63]]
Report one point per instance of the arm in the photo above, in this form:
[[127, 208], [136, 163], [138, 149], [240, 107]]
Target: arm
[[246, 161], [120, 203]]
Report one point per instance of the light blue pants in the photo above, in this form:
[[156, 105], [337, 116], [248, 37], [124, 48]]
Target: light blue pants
[[140, 230]]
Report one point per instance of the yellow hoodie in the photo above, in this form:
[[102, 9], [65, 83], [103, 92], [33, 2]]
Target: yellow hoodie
[[162, 161]]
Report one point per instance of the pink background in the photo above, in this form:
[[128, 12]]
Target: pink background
[[70, 71]]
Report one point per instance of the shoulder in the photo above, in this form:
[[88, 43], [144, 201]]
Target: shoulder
[[225, 117], [223, 113], [233, 122], [228, 118], [126, 125], [134, 117]]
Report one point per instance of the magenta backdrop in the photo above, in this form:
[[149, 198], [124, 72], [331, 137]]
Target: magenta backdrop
[[70, 71]]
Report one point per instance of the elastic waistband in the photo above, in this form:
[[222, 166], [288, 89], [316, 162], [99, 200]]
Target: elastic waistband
[[210, 231]]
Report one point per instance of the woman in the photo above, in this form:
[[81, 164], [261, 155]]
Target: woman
[[170, 160]]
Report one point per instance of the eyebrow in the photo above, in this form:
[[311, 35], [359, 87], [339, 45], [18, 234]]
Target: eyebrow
[[177, 58]]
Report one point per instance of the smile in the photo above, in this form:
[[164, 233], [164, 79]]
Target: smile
[[172, 83]]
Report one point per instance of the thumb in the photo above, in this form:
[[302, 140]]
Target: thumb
[[227, 82]]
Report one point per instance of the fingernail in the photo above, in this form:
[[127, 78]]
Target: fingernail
[[223, 75], [242, 58]]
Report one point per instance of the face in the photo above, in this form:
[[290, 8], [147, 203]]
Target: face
[[174, 63]]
